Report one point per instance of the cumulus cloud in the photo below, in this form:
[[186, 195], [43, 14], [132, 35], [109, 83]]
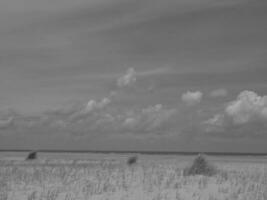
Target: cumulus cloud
[[148, 119], [215, 120], [248, 106], [152, 118], [93, 119], [92, 104], [218, 93], [247, 114], [97, 117], [192, 98], [86, 111], [127, 79]]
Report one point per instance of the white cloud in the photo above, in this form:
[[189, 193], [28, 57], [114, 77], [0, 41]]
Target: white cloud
[[246, 115], [131, 122], [248, 106], [127, 79], [148, 119], [192, 98], [92, 104], [219, 93], [87, 111], [216, 120], [94, 119]]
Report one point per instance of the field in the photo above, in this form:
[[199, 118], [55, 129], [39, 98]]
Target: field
[[103, 177]]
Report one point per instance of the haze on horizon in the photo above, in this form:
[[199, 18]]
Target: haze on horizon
[[169, 75]]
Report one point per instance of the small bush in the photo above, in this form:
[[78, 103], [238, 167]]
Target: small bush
[[32, 155], [200, 166], [132, 160]]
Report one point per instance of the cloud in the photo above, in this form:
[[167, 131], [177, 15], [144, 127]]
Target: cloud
[[127, 79], [5, 123], [248, 106], [92, 104], [218, 93], [136, 121], [215, 124], [217, 120], [103, 116], [246, 115], [95, 119], [152, 118], [192, 98]]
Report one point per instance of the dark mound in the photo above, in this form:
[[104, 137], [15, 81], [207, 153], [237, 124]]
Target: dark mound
[[32, 155], [132, 160], [200, 166]]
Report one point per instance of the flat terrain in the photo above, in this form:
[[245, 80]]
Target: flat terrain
[[107, 176]]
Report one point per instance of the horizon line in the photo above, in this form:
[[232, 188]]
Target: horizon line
[[138, 152]]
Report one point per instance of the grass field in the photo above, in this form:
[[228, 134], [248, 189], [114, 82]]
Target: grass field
[[109, 177]]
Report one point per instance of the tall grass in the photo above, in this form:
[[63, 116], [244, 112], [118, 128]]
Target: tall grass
[[150, 180]]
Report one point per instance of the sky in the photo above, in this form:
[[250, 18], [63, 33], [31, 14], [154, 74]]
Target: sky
[[186, 75]]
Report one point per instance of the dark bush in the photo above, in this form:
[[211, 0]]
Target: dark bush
[[200, 166], [32, 155], [132, 160]]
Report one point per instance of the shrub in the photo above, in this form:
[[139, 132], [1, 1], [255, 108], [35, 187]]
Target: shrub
[[200, 166], [32, 155], [132, 160]]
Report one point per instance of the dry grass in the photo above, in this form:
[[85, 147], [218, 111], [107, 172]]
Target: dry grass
[[110, 179]]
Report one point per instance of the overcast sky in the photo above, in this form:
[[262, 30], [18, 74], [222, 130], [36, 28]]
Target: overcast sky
[[134, 75]]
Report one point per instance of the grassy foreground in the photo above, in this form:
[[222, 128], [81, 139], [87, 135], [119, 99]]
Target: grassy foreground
[[51, 179]]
